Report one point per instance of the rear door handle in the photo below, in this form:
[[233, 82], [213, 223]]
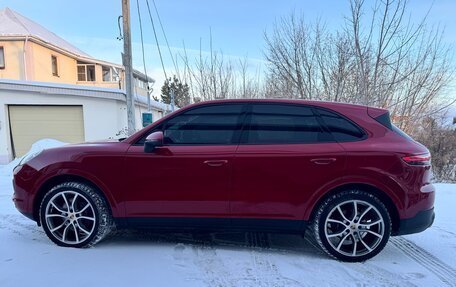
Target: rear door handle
[[216, 163], [321, 161]]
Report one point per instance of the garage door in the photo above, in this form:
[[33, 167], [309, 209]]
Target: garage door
[[32, 123]]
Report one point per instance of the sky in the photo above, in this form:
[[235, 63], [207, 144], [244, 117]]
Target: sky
[[237, 26]]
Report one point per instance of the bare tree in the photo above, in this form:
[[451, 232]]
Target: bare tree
[[246, 84], [212, 76], [292, 57], [439, 136], [380, 58]]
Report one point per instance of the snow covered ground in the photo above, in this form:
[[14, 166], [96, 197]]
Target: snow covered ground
[[138, 258]]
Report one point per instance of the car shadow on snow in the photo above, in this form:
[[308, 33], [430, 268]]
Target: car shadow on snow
[[276, 243]]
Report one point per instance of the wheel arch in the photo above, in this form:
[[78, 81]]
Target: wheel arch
[[380, 194], [61, 178]]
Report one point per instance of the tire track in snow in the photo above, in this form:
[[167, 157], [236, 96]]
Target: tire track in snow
[[444, 272], [265, 272], [258, 270], [452, 234], [367, 273], [258, 239], [205, 258], [15, 224], [212, 267]]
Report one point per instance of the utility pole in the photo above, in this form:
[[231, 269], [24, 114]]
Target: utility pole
[[127, 62]]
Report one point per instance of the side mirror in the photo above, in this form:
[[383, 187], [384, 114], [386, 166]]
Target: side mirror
[[153, 141]]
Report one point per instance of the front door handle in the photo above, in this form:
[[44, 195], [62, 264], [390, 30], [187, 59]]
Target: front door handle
[[216, 163], [321, 161]]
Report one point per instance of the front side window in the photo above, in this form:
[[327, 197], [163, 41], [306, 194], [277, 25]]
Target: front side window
[[210, 125], [55, 71], [283, 124], [342, 129], [2, 58]]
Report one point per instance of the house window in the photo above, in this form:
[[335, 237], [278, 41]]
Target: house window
[[86, 72], [82, 73], [141, 84], [2, 58], [106, 74], [55, 71], [116, 74], [91, 73]]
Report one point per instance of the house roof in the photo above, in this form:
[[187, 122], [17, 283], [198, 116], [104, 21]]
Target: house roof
[[13, 24]]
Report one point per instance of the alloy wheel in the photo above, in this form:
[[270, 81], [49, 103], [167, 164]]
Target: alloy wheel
[[70, 217], [354, 228]]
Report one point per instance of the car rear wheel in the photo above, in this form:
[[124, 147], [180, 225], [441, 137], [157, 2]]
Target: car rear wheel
[[352, 226], [74, 215]]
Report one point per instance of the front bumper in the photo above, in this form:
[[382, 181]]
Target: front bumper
[[421, 221], [21, 186], [21, 201]]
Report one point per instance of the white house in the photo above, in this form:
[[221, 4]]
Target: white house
[[30, 111]]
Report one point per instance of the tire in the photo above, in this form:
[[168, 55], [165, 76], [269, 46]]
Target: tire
[[352, 236], [74, 214]]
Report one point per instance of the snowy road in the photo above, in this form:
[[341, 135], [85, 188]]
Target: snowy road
[[135, 258]]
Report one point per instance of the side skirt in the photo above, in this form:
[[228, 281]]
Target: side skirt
[[192, 224]]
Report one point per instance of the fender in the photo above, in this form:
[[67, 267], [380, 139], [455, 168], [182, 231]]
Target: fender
[[116, 206], [395, 195]]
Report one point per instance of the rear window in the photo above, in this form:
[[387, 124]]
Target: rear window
[[283, 124]]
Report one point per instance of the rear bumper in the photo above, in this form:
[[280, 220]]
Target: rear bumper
[[421, 221]]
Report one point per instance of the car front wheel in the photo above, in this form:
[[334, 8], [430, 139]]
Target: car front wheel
[[74, 215], [352, 226]]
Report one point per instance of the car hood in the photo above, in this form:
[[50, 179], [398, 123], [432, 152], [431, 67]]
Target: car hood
[[78, 153]]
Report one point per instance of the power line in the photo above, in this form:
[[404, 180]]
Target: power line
[[166, 40], [142, 42], [156, 39], [143, 56]]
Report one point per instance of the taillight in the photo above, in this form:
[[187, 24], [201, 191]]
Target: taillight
[[420, 159]]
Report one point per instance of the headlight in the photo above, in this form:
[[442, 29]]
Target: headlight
[[29, 156]]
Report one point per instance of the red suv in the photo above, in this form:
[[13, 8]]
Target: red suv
[[343, 172]]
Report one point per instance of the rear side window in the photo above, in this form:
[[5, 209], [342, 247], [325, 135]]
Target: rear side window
[[283, 124], [342, 129], [401, 132], [205, 125], [385, 120]]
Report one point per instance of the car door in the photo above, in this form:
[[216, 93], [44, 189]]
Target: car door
[[189, 176], [284, 156]]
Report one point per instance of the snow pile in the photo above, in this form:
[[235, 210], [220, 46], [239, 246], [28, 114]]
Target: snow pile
[[38, 146]]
